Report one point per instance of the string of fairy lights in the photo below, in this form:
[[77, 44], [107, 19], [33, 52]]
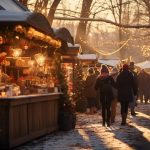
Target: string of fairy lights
[[145, 48], [107, 53], [121, 42]]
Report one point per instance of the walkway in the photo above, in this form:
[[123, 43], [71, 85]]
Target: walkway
[[91, 135]]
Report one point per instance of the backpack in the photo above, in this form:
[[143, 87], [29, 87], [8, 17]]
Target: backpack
[[106, 85]]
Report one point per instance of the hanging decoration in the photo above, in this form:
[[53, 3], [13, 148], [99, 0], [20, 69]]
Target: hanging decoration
[[108, 53], [31, 33]]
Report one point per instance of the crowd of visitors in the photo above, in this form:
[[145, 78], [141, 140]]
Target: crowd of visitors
[[107, 88]]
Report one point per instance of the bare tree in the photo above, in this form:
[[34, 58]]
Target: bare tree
[[53, 10], [126, 13], [85, 12], [147, 5]]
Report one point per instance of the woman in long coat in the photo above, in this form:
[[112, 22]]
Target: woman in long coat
[[104, 84], [126, 90], [90, 91]]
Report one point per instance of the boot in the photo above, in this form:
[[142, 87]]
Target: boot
[[103, 122], [124, 116], [108, 122]]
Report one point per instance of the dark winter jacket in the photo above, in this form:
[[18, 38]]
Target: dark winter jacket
[[135, 80], [104, 84], [126, 86], [90, 91]]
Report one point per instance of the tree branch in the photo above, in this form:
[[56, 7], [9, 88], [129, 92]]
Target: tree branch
[[103, 20]]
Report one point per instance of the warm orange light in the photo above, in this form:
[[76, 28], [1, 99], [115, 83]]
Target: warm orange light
[[31, 63], [40, 59], [16, 52], [1, 40]]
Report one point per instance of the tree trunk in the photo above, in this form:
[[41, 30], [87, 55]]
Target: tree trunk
[[53, 10], [81, 30], [24, 2], [120, 31]]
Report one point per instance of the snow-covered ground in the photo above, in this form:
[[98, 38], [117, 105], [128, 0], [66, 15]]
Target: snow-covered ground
[[89, 134]]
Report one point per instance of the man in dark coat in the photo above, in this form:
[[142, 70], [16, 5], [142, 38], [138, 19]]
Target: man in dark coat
[[126, 90], [104, 84]]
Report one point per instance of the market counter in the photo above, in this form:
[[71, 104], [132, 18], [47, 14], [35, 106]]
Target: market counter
[[23, 118]]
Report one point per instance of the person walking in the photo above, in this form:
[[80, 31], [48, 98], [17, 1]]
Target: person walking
[[104, 84], [114, 74], [90, 91], [126, 89], [142, 83], [98, 105], [133, 103]]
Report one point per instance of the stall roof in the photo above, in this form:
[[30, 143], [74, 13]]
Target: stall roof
[[12, 5], [12, 11], [35, 20], [87, 57], [64, 34], [144, 65], [74, 49], [109, 62]]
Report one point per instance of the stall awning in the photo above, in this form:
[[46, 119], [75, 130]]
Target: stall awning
[[36, 20], [64, 34]]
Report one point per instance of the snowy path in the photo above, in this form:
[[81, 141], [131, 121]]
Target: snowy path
[[91, 135]]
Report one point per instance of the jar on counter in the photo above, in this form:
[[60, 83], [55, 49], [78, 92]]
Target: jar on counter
[[9, 90]]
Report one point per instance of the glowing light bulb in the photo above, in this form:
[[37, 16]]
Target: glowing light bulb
[[16, 52], [40, 59]]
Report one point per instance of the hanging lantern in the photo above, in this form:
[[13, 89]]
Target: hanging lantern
[[19, 29], [16, 52], [40, 59]]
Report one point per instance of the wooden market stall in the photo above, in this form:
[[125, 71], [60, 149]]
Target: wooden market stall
[[25, 117], [29, 96], [87, 60], [69, 59]]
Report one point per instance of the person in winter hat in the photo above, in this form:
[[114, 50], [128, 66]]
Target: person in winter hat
[[104, 83], [114, 73], [90, 91], [126, 89]]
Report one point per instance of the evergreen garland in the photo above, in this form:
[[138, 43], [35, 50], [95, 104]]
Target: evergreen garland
[[60, 73], [79, 96]]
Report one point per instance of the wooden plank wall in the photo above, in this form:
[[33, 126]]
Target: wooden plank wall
[[26, 121]]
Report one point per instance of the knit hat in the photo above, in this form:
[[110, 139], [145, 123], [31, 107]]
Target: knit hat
[[131, 66], [91, 70], [104, 69], [125, 67]]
